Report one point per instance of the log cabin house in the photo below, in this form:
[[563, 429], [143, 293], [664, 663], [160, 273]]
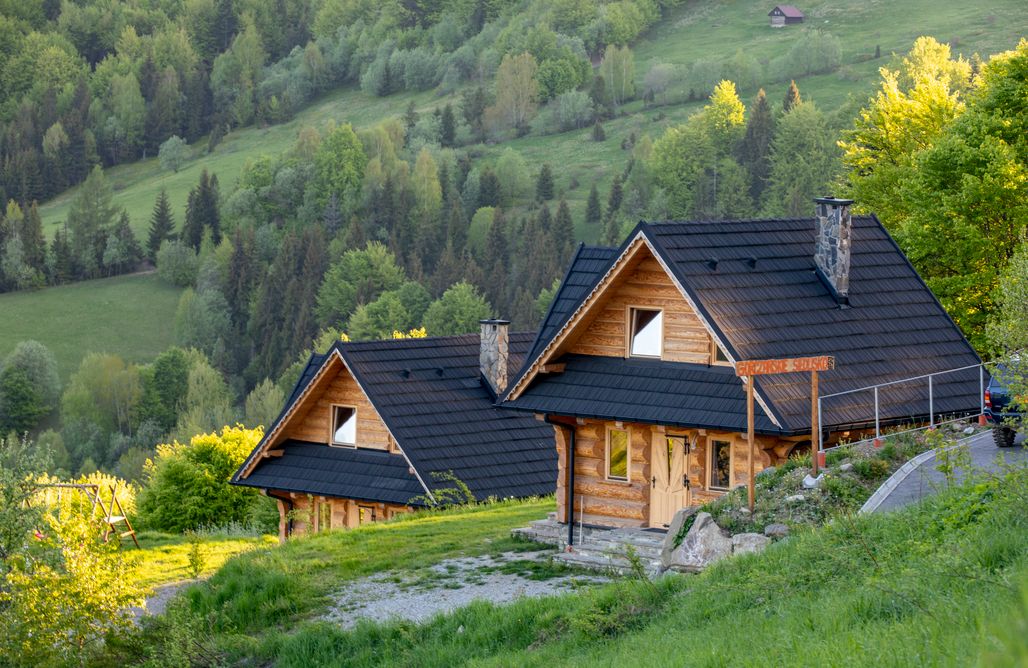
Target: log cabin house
[[783, 15], [634, 363], [371, 426]]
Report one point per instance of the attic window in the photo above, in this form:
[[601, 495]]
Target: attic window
[[717, 355], [647, 327], [344, 426]]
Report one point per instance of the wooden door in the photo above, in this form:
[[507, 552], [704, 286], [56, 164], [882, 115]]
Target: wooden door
[[667, 485]]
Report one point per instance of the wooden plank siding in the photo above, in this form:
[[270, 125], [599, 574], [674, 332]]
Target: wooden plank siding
[[646, 286], [309, 511], [313, 422], [604, 502]]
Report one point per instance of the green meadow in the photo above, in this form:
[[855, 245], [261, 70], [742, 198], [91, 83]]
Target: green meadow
[[131, 316]]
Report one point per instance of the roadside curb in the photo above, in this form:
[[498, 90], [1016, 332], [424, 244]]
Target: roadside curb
[[894, 481]]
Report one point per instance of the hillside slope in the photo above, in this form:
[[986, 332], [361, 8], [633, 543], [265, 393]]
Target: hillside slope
[[713, 31], [130, 316]]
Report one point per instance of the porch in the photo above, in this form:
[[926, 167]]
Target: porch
[[599, 548]]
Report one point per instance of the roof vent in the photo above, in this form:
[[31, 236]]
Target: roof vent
[[712, 263], [751, 262], [439, 371], [405, 373]]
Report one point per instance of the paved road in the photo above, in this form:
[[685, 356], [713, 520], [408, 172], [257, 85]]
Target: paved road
[[926, 479]]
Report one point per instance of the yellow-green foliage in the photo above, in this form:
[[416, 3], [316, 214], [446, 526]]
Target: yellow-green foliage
[[52, 497], [65, 591], [187, 484]]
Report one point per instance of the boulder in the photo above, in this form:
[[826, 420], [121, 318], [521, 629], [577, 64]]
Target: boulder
[[766, 471], [968, 431], [810, 482], [795, 498], [776, 530], [677, 522], [744, 543], [705, 544], [845, 468]]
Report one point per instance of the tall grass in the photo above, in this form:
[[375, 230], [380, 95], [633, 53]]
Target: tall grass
[[938, 584]]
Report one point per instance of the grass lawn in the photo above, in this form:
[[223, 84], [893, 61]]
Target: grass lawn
[[163, 558], [130, 316], [943, 584]]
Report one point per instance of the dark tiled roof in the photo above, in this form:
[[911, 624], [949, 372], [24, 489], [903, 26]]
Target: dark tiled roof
[[430, 394], [315, 468], [789, 11], [640, 390], [895, 328], [778, 307], [585, 269]]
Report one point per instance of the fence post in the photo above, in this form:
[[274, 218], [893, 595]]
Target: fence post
[[878, 431], [981, 386], [931, 404]]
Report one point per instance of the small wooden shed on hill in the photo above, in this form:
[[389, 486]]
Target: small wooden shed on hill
[[783, 15]]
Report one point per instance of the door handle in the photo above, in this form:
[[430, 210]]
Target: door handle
[[685, 481]]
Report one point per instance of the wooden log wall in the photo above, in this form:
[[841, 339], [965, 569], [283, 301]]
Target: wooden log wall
[[313, 420], [313, 514], [648, 285], [614, 503]]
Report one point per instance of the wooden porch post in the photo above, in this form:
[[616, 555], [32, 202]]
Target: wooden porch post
[[815, 451], [749, 437]]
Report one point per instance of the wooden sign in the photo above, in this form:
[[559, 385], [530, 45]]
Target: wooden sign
[[767, 367]]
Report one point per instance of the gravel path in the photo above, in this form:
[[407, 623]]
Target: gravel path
[[926, 479], [446, 586], [157, 602]]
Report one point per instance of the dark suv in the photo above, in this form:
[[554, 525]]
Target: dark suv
[[1000, 410]]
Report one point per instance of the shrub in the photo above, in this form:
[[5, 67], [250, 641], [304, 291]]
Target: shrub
[[177, 263], [187, 484]]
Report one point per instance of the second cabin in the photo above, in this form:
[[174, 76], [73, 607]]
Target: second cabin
[[634, 365]]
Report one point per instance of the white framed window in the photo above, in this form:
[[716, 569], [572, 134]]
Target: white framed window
[[344, 426], [646, 332], [618, 455], [720, 465]]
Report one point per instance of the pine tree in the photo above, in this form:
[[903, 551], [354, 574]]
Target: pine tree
[[593, 210], [162, 225], [447, 127], [488, 188], [202, 212], [544, 184], [32, 239], [792, 97], [64, 264], [522, 311], [332, 216], [612, 232], [544, 219], [598, 133], [473, 104], [617, 194], [192, 228], [242, 275], [563, 232], [225, 25], [410, 117], [755, 149]]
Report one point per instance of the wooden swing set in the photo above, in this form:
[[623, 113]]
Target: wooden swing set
[[111, 515]]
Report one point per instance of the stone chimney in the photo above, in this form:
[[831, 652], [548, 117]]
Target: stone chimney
[[832, 248], [492, 356]]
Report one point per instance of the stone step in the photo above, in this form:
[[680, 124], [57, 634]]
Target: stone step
[[604, 563]]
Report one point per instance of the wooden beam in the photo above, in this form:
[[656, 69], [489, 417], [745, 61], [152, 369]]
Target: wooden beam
[[749, 438], [274, 453], [814, 453], [554, 367]]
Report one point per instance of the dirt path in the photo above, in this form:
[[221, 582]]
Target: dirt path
[[157, 602], [452, 584]]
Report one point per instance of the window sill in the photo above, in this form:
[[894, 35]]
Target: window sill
[[615, 481]]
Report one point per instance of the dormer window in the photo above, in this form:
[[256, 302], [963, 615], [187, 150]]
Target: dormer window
[[344, 426], [647, 332]]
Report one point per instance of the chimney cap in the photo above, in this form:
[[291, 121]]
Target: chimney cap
[[494, 321], [834, 201]]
